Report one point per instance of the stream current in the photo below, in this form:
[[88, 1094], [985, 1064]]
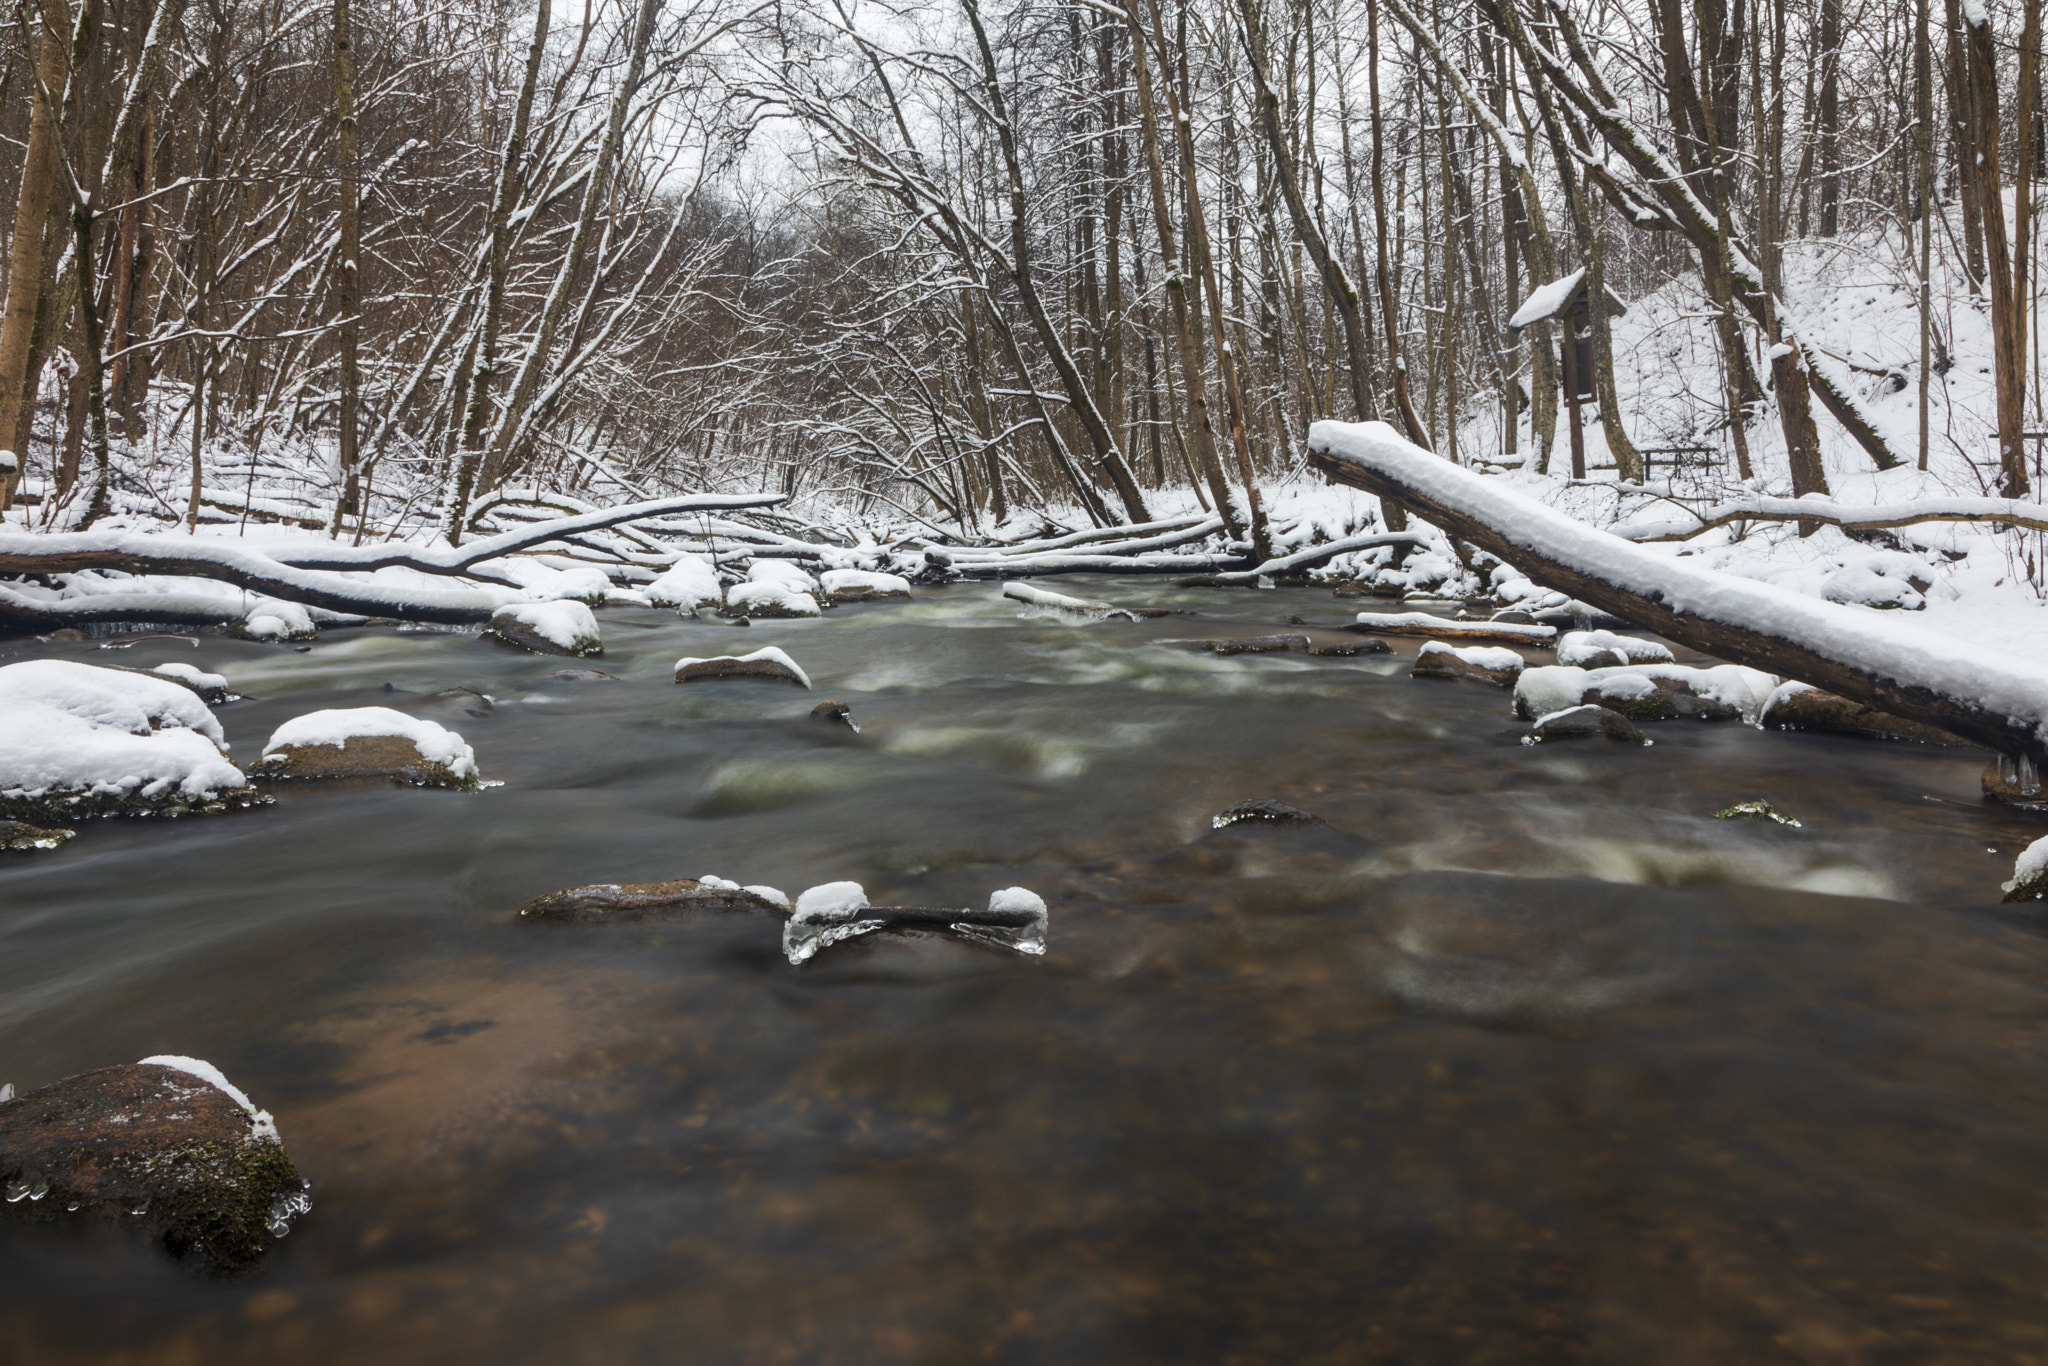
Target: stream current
[[1526, 1059]]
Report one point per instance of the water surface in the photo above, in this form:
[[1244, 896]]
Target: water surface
[[1526, 1059]]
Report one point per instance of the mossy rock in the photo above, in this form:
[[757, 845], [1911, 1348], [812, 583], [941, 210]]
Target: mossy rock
[[393, 758], [21, 838]]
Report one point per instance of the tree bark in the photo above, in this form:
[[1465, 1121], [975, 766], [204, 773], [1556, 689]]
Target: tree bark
[[25, 252]]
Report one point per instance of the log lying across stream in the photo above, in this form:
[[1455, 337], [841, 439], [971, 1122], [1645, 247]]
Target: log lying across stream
[[1981, 694]]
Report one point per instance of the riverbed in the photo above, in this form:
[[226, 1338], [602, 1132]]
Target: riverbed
[[1525, 1058]]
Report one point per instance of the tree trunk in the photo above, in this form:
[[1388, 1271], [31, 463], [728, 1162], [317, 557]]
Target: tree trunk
[[25, 253], [347, 274]]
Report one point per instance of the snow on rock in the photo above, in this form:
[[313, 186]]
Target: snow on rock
[[2030, 873], [823, 916], [1861, 587], [861, 585], [767, 662], [1046, 603], [369, 742], [1588, 648], [211, 688], [276, 619], [688, 584], [1584, 723], [263, 1125], [1488, 663], [548, 628], [76, 739], [769, 600], [553, 578], [1648, 692]]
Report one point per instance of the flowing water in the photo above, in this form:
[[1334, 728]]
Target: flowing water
[[1527, 1059]]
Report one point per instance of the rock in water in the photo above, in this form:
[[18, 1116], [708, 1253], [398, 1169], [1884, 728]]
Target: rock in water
[[690, 583], [547, 628], [368, 742], [1256, 645], [167, 1143], [80, 740], [1798, 706], [1495, 664], [1265, 811], [860, 585], [769, 663], [1344, 649], [1585, 723], [1647, 692], [211, 688], [772, 599], [581, 676], [15, 837], [602, 902], [1758, 810], [1604, 649], [2030, 873], [836, 714]]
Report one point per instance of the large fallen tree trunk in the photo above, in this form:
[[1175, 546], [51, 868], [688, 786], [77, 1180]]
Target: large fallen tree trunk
[[313, 577], [1980, 694]]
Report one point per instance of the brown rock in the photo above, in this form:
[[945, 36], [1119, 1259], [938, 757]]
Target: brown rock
[[150, 1146], [1448, 663], [1346, 648], [1585, 722], [360, 756], [1256, 645], [1813, 709], [731, 666], [603, 902], [835, 714]]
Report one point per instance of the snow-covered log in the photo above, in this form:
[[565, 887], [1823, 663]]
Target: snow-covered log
[[1969, 690], [1849, 517], [1316, 556], [1037, 566]]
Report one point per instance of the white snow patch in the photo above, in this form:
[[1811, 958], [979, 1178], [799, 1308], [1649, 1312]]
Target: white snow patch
[[689, 582], [106, 732], [566, 623], [261, 1124], [1479, 656], [192, 674], [1579, 646], [755, 598], [1544, 301], [2032, 862], [842, 580]]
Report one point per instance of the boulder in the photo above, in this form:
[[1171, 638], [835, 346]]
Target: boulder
[[860, 585], [2030, 873], [1584, 723], [774, 599], [835, 714], [1799, 706], [2015, 782], [769, 663], [547, 628], [603, 902], [1493, 664], [81, 740], [368, 742], [19, 838], [166, 1144], [1647, 692]]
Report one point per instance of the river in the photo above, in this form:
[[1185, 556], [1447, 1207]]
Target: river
[[1526, 1059]]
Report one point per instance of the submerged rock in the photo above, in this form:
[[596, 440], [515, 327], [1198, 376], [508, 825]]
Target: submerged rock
[[1255, 645], [1585, 723], [1264, 811], [1344, 649], [582, 676], [1799, 706], [603, 902], [835, 714], [19, 838], [565, 627], [368, 742], [768, 663], [1758, 810], [1495, 664], [167, 1143]]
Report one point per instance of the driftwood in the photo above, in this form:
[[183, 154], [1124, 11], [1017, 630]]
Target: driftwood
[[1442, 628], [1883, 516], [1974, 692]]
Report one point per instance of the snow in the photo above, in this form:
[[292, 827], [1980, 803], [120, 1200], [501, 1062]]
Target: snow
[[824, 916], [197, 677], [1479, 656], [690, 582], [838, 581], [2032, 863], [547, 579], [1545, 301], [1558, 687], [1047, 603], [778, 598], [1016, 899], [1535, 635], [261, 1124], [1579, 646], [436, 744], [1974, 674], [74, 729], [566, 623], [767, 652], [769, 894], [275, 619]]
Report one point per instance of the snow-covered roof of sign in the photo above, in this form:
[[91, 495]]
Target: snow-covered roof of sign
[[1547, 301]]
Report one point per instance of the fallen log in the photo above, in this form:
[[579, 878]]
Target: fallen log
[[1443, 628], [1849, 517], [1315, 557], [1038, 566], [1981, 694]]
